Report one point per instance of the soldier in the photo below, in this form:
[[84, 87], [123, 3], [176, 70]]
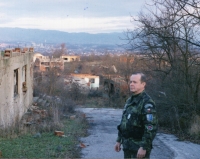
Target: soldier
[[139, 122]]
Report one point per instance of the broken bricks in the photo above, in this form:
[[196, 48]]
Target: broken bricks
[[59, 133]]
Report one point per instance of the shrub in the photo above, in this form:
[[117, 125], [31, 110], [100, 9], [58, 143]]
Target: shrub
[[195, 129]]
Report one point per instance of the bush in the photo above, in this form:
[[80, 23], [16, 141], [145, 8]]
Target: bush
[[95, 93], [195, 129]]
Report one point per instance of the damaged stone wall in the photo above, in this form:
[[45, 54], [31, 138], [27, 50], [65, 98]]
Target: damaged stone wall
[[16, 87]]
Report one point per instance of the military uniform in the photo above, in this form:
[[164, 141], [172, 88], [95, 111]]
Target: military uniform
[[138, 125]]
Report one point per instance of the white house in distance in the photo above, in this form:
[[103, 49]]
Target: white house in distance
[[86, 80]]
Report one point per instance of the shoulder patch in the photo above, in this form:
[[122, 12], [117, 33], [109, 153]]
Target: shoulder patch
[[148, 106], [150, 127], [149, 117]]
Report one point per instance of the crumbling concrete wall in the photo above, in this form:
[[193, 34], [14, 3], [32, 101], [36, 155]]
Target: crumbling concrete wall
[[16, 87]]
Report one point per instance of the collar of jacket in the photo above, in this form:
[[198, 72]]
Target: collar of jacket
[[134, 99]]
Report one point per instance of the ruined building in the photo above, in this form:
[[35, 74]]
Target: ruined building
[[16, 84], [44, 63]]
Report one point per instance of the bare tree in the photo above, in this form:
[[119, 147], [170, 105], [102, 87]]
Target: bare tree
[[167, 36], [61, 51]]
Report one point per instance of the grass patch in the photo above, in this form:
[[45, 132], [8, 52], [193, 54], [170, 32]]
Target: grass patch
[[46, 145]]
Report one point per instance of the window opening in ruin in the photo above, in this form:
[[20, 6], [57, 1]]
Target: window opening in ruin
[[92, 80], [24, 82], [45, 63], [16, 82]]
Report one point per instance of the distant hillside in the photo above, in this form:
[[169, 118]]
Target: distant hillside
[[52, 36]]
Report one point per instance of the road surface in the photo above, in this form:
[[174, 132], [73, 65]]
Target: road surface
[[103, 133]]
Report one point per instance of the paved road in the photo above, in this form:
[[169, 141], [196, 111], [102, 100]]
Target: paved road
[[103, 133]]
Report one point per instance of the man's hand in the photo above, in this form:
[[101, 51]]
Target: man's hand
[[141, 153], [117, 146]]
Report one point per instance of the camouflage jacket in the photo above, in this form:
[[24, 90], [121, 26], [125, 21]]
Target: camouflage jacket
[[138, 125]]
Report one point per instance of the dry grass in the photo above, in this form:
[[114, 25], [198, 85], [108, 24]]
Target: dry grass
[[195, 126], [37, 140], [44, 144]]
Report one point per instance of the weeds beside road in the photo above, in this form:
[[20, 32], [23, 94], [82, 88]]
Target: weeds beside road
[[45, 144]]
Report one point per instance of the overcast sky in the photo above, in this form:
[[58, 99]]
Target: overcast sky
[[92, 16]]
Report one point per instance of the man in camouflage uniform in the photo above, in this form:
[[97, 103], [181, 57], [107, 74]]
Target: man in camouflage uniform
[[139, 122]]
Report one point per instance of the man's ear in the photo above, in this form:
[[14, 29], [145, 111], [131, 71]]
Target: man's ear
[[144, 84]]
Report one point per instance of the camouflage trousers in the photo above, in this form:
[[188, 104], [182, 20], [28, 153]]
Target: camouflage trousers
[[133, 154], [131, 147]]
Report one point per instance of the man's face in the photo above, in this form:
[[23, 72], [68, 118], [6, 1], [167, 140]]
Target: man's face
[[136, 86]]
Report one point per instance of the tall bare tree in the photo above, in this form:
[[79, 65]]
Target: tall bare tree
[[61, 51], [168, 37]]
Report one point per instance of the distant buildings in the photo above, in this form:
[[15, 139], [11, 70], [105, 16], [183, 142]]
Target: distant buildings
[[16, 84], [44, 63]]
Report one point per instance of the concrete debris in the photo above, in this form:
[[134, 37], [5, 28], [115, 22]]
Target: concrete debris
[[34, 115]]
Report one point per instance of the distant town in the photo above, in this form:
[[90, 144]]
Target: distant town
[[47, 48], [46, 42]]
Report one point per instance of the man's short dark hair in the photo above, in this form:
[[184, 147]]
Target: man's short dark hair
[[143, 76]]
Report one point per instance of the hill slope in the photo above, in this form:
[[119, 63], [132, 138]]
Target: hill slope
[[52, 36]]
